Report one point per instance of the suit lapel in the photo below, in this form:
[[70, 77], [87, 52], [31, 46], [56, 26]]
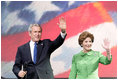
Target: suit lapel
[[28, 51]]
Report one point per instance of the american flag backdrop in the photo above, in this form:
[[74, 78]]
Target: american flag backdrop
[[97, 17]]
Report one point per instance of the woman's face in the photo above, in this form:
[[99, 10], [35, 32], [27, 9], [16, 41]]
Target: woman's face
[[87, 44]]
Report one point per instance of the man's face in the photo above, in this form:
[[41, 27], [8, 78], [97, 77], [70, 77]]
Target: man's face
[[35, 34]]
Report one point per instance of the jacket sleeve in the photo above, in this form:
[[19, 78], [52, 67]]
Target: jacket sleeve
[[18, 63], [56, 43], [73, 72], [104, 60]]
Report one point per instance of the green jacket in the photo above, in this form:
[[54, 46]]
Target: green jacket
[[85, 65]]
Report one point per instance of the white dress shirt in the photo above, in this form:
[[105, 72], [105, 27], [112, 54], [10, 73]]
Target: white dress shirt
[[32, 48]]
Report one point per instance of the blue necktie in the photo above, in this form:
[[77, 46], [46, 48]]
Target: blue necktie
[[35, 52]]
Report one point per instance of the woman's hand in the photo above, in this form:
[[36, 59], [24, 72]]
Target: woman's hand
[[106, 45]]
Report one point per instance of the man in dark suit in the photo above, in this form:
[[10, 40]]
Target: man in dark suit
[[34, 56]]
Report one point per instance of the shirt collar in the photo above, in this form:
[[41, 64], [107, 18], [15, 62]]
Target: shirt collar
[[32, 42], [83, 54]]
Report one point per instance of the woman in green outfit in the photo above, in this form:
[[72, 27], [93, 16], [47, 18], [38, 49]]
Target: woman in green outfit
[[85, 63]]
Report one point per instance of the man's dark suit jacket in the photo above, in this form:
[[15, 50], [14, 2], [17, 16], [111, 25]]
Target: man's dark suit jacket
[[42, 68]]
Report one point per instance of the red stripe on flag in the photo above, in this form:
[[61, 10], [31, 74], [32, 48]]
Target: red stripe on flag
[[78, 19], [109, 5]]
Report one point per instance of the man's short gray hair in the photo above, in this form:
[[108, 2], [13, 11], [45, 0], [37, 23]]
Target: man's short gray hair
[[31, 25]]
